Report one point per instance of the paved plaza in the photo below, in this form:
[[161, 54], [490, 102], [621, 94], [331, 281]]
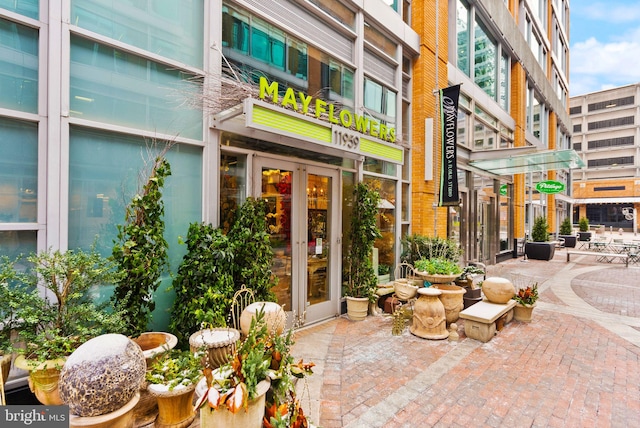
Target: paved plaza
[[575, 365]]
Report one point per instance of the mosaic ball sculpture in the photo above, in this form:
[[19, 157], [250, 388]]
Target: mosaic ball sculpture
[[102, 375]]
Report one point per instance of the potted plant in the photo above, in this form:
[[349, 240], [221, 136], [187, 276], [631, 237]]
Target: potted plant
[[417, 246], [54, 325], [583, 225], [361, 279], [566, 233], [260, 373], [473, 293], [437, 270], [172, 379], [540, 248], [525, 302]]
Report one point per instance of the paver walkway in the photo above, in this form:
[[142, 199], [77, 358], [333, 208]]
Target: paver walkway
[[575, 365]]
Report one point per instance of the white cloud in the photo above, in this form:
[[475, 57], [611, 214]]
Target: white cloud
[[596, 65], [609, 12]]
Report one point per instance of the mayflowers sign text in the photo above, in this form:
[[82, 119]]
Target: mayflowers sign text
[[449, 123], [302, 102]]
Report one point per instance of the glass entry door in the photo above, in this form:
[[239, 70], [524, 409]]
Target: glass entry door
[[303, 207]]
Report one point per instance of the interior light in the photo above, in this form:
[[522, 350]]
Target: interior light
[[79, 98], [610, 105]]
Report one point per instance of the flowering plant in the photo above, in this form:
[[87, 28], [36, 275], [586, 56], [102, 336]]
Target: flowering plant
[[527, 296]]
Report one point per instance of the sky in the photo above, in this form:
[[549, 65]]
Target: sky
[[604, 42]]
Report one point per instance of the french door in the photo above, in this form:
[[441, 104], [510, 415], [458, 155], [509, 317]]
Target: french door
[[303, 203]]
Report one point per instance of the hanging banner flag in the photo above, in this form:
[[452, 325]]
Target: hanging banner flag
[[449, 123]]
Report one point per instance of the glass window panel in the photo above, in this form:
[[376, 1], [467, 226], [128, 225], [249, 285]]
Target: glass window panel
[[373, 96], [27, 8], [462, 37], [504, 82], [297, 59], [104, 170], [485, 60], [233, 187], [18, 171], [16, 242], [111, 86], [386, 219], [18, 67], [260, 42], [174, 29], [337, 10]]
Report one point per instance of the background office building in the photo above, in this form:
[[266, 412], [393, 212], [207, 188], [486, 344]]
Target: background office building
[[606, 133]]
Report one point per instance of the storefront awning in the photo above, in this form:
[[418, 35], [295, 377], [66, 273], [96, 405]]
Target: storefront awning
[[532, 162]]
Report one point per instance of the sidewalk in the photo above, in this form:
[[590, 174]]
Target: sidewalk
[[577, 364]]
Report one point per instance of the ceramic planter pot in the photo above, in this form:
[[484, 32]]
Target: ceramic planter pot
[[175, 407], [121, 418], [43, 379], [429, 319], [451, 298], [357, 308], [404, 289], [539, 250], [222, 417], [218, 342], [437, 278], [523, 313]]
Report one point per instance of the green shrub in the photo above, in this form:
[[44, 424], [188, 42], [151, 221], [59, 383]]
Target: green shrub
[[415, 247], [566, 227], [584, 224], [540, 231]]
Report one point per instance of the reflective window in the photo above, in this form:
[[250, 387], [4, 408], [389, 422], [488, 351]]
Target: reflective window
[[462, 37], [485, 60], [233, 187], [113, 86], [18, 171], [18, 67], [16, 242], [104, 174], [380, 102], [173, 29], [27, 8]]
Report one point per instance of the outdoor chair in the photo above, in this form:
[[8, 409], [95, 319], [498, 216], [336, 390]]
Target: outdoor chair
[[241, 299]]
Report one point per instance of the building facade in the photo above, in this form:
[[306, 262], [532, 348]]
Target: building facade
[[606, 133], [511, 60]]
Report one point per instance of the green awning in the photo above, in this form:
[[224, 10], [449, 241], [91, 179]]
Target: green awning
[[533, 162]]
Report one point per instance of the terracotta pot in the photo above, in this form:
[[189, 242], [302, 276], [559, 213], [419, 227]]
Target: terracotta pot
[[429, 319], [175, 407], [153, 344], [222, 417], [523, 313], [451, 298], [498, 290], [43, 379], [274, 316], [121, 418], [357, 308]]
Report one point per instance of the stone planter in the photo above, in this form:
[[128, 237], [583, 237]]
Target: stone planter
[[451, 298], [175, 407], [523, 313], [357, 308], [121, 418], [43, 379], [404, 289], [222, 417], [471, 297], [429, 319], [539, 250], [570, 241], [218, 342], [437, 278]]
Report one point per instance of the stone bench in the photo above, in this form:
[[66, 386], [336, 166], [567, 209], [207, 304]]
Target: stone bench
[[600, 256], [480, 319]]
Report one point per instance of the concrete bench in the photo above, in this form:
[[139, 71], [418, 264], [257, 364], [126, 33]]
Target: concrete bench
[[600, 257], [480, 319]]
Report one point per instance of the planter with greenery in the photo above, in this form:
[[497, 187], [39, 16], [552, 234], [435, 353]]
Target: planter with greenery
[[361, 279], [584, 234], [566, 233], [261, 373], [172, 379], [384, 274], [437, 270], [52, 327], [141, 250], [540, 248], [526, 299]]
